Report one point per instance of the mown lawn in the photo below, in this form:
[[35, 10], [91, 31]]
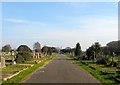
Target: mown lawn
[[102, 73], [11, 69], [26, 72], [8, 57]]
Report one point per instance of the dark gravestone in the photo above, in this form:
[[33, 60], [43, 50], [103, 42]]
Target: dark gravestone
[[114, 64]]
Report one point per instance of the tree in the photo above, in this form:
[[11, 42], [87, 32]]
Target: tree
[[66, 50], [97, 49], [23, 54], [49, 51], [114, 47], [24, 48], [23, 57], [54, 50], [77, 50], [73, 51], [90, 52], [37, 47], [118, 48], [105, 50], [6, 48], [45, 50]]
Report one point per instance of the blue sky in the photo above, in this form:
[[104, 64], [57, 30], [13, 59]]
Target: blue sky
[[59, 24]]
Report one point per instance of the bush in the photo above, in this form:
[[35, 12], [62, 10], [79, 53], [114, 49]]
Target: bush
[[22, 57], [84, 57], [102, 60], [24, 48]]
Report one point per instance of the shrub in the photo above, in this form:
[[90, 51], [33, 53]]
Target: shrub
[[102, 60], [24, 48], [22, 57], [83, 57]]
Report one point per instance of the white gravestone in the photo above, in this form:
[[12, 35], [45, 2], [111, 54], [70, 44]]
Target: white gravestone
[[2, 62]]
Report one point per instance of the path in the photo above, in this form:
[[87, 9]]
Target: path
[[61, 70]]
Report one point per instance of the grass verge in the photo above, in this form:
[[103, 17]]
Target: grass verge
[[28, 71], [97, 72]]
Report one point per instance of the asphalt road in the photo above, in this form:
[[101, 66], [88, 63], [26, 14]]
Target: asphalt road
[[61, 70]]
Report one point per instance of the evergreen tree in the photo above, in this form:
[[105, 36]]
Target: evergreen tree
[[24, 48], [45, 50], [24, 54], [77, 50]]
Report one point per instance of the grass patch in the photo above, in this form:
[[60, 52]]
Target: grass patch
[[108, 78], [11, 69], [0, 82], [8, 57], [25, 73], [97, 70]]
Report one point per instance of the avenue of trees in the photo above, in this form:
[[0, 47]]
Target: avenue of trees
[[97, 53], [25, 53]]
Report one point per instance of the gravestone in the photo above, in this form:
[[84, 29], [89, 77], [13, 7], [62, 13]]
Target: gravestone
[[13, 60], [41, 56], [12, 53], [38, 55], [33, 55], [2, 62]]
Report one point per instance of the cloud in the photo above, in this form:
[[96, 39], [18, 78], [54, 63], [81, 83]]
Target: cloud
[[89, 29], [16, 20], [20, 21]]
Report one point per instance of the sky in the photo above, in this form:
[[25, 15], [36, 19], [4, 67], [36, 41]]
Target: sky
[[59, 24]]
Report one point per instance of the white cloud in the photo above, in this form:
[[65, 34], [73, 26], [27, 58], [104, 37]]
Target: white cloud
[[16, 20], [89, 30], [103, 29], [20, 21]]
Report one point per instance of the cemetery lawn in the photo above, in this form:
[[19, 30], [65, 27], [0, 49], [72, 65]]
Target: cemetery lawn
[[24, 74], [11, 69], [101, 72], [8, 57]]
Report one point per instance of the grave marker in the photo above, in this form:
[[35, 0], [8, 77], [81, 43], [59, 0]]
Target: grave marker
[[2, 62]]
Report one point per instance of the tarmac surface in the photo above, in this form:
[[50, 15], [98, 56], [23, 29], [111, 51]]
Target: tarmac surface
[[61, 70]]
